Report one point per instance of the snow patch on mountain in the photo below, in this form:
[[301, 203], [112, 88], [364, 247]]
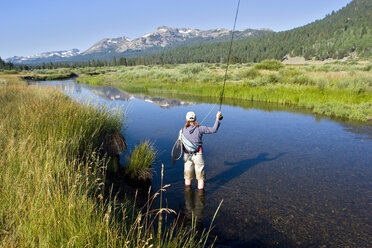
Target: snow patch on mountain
[[46, 55]]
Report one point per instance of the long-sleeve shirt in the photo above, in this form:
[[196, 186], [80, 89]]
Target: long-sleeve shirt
[[195, 134]]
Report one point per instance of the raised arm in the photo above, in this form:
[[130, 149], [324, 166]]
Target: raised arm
[[208, 130]]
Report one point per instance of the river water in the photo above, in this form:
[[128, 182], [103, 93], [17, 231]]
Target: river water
[[286, 177]]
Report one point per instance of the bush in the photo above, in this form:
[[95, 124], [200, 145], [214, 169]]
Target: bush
[[249, 74], [367, 67], [140, 161], [302, 80], [321, 83], [274, 78], [288, 73], [272, 65], [192, 68]]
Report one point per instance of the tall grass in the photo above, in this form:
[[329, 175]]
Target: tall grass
[[50, 175], [11, 80], [52, 180]]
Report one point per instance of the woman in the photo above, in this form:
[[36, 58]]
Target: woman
[[192, 135]]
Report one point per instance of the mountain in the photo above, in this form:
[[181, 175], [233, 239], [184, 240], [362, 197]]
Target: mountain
[[163, 38], [54, 56], [166, 37], [345, 33]]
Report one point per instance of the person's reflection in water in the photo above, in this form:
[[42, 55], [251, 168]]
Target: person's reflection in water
[[194, 207]]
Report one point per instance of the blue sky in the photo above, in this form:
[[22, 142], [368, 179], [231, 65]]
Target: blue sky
[[31, 27]]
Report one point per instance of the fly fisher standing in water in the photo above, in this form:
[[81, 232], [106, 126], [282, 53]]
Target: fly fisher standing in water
[[191, 136]]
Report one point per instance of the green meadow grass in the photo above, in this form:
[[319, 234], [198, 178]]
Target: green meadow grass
[[52, 179], [337, 90]]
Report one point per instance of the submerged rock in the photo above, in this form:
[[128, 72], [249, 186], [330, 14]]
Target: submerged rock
[[114, 144]]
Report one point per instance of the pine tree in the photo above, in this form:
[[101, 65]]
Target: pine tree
[[113, 62]]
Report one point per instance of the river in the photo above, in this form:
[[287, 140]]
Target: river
[[287, 178]]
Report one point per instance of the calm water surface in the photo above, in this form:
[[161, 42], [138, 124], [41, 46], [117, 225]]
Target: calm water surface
[[286, 178]]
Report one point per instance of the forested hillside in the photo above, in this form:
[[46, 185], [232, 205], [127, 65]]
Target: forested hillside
[[342, 33]]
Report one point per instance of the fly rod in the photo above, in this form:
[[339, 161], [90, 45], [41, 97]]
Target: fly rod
[[228, 58]]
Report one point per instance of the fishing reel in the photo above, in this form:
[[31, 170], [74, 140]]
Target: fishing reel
[[221, 117]]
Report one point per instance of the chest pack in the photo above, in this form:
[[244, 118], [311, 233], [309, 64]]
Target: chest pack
[[188, 145]]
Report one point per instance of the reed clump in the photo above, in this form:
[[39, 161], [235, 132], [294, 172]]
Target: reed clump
[[140, 161]]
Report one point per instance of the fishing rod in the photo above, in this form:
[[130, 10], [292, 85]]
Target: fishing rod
[[228, 58]]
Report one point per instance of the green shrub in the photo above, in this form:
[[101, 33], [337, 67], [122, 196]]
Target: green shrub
[[274, 78], [367, 67], [251, 73], [290, 72], [272, 65], [192, 68], [302, 80], [321, 83], [265, 80]]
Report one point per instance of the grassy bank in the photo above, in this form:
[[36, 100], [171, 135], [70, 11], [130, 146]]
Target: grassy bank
[[39, 75], [52, 180], [50, 77], [335, 89]]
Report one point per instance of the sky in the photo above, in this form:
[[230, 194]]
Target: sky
[[31, 27]]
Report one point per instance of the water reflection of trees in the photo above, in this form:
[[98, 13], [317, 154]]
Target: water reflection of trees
[[362, 132]]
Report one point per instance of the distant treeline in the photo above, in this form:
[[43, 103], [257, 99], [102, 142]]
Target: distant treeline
[[8, 66]]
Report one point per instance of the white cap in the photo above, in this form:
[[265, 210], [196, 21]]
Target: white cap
[[190, 116]]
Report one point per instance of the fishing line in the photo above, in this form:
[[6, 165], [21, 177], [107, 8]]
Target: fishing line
[[228, 57], [227, 67], [210, 111]]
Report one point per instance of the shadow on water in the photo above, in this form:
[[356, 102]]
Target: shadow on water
[[238, 168]]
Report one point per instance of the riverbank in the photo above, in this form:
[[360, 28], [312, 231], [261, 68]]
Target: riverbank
[[49, 77], [336, 89], [53, 183]]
